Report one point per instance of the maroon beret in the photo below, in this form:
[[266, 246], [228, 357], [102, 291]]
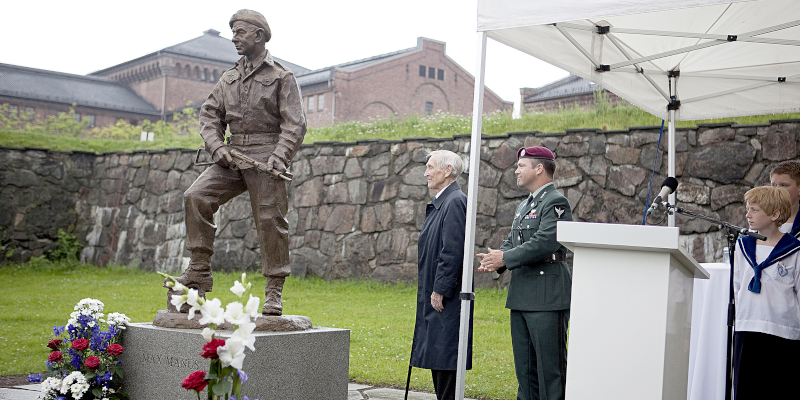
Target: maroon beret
[[535, 152]]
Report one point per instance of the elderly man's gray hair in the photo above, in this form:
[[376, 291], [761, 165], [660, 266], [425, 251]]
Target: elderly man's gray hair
[[447, 157]]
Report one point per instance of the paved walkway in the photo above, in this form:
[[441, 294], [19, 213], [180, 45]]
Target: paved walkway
[[355, 392]]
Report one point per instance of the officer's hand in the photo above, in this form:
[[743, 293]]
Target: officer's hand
[[275, 165], [436, 301], [492, 261], [222, 157]]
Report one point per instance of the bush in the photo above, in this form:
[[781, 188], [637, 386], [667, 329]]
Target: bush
[[68, 247]]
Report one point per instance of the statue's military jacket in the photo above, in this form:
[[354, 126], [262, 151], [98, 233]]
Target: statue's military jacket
[[538, 283], [265, 102]]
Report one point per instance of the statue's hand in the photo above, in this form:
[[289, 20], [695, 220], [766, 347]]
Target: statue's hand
[[275, 165], [222, 157]]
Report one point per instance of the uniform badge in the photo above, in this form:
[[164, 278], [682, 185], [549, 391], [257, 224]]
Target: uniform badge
[[782, 270], [559, 211], [531, 215]]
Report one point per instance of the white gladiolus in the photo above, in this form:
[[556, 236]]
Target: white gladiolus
[[208, 334], [213, 313], [232, 353], [238, 289], [245, 334], [234, 314], [253, 307]]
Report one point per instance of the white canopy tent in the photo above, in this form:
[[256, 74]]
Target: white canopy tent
[[679, 60]]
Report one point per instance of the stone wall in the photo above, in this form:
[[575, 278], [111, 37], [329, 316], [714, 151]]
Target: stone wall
[[356, 208]]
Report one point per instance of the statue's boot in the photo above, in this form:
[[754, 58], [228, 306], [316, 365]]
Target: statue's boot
[[272, 293], [198, 274]]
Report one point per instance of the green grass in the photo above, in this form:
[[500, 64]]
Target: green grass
[[441, 125], [38, 295]]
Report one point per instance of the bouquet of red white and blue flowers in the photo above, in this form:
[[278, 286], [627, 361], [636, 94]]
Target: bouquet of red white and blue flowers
[[83, 364]]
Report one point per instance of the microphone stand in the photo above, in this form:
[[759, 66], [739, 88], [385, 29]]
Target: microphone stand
[[732, 233]]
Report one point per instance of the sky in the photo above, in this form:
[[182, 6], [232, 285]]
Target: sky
[[84, 36]]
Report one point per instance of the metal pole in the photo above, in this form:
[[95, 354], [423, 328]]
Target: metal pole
[[472, 208], [671, 161]]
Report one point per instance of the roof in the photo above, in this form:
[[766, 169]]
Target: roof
[[210, 46], [88, 91], [324, 74], [570, 86]]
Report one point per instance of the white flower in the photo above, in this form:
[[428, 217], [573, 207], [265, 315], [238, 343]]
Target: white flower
[[51, 385], [232, 353], [180, 288], [178, 300], [118, 320], [213, 313], [245, 333], [234, 314], [79, 389], [253, 307], [238, 289], [208, 334], [193, 298]]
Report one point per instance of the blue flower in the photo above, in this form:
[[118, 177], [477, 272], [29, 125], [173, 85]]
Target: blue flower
[[58, 330], [243, 375], [60, 398], [76, 360], [35, 378]]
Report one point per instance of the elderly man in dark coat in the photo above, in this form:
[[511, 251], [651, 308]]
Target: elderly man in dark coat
[[441, 256]]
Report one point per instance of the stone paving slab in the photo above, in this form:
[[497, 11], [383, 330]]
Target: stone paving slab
[[18, 393]]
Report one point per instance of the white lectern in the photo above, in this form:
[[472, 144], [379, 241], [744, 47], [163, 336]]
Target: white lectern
[[631, 313]]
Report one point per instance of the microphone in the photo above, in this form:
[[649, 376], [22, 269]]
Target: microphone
[[669, 186]]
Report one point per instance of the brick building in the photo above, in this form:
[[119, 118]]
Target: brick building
[[420, 80], [37, 94], [567, 92]]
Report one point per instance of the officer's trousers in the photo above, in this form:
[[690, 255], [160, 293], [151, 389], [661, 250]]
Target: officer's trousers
[[268, 199], [539, 342]]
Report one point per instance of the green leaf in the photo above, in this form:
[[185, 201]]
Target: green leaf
[[90, 375], [222, 388], [97, 392], [210, 376]]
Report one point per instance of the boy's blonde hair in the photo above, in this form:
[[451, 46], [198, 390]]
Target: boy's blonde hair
[[771, 199]]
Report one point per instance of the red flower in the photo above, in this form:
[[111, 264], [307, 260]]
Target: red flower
[[80, 344], [195, 381], [210, 349], [92, 362], [53, 344], [55, 356], [114, 349]]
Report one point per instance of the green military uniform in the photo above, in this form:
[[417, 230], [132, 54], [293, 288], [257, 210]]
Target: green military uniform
[[539, 294]]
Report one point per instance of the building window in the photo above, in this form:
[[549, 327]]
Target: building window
[[310, 103], [188, 71], [89, 121], [178, 69], [321, 102], [197, 73], [428, 108], [440, 74], [30, 113], [134, 122], [215, 75], [206, 77], [76, 117], [422, 70], [13, 110], [431, 72]]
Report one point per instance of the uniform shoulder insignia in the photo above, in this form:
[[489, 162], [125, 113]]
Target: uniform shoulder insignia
[[231, 75], [559, 211]]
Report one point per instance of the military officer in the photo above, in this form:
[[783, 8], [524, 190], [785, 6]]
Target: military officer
[[540, 287], [259, 101]]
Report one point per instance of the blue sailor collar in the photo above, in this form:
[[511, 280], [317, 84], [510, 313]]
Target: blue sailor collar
[[787, 246], [796, 225]]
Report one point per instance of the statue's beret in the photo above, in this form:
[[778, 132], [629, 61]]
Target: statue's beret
[[252, 17]]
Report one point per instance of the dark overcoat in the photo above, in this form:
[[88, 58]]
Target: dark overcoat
[[440, 261]]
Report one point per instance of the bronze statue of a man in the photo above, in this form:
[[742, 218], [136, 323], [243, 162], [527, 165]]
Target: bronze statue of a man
[[260, 102]]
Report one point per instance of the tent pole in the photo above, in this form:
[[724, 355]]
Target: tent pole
[[671, 161], [467, 296]]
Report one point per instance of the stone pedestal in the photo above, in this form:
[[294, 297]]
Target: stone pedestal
[[310, 364]]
